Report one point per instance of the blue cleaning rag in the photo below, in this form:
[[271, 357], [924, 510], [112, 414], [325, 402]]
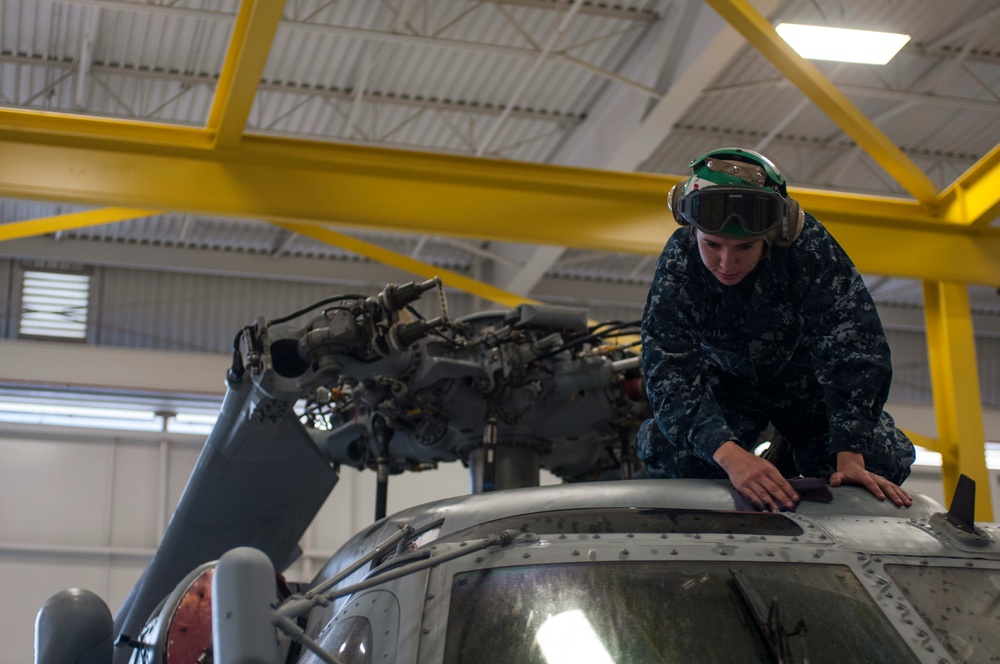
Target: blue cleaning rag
[[813, 489]]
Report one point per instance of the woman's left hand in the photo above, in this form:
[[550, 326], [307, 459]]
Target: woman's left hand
[[851, 470]]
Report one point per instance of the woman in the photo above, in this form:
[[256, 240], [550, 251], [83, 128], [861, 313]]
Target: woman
[[756, 316]]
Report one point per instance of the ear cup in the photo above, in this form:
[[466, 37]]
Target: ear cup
[[673, 200], [792, 224]]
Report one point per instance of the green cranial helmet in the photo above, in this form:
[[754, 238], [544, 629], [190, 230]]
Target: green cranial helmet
[[735, 166], [738, 193]]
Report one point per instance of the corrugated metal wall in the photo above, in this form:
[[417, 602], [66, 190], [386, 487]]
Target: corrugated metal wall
[[178, 311], [911, 378], [188, 312], [911, 370], [988, 354], [172, 311]]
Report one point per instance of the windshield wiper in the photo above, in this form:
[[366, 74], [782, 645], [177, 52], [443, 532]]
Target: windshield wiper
[[788, 647]]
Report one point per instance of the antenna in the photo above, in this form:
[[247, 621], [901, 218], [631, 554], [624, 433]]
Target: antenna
[[962, 513], [959, 521]]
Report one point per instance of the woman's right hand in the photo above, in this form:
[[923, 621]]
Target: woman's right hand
[[756, 478]]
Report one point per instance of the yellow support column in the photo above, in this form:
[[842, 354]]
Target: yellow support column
[[955, 383]]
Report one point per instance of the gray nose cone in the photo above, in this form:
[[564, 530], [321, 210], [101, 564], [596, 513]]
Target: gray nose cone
[[74, 627]]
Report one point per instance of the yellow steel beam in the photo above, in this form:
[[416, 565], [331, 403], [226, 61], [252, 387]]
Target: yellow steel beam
[[926, 254], [30, 228], [903, 238], [760, 33], [838, 207], [250, 43], [68, 130], [64, 222], [955, 384], [974, 198], [925, 442], [397, 260], [401, 191], [391, 190]]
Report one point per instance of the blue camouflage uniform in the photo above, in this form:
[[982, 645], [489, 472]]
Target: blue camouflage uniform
[[797, 343]]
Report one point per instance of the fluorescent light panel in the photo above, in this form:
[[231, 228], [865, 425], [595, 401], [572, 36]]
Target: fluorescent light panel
[[815, 42]]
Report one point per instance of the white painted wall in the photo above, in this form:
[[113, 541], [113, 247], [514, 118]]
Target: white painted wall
[[81, 508]]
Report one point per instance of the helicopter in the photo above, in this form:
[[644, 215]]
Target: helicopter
[[601, 568]]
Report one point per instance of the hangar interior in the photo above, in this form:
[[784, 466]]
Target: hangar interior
[[180, 168]]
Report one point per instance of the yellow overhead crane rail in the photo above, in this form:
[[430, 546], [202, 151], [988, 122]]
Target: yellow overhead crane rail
[[51, 157]]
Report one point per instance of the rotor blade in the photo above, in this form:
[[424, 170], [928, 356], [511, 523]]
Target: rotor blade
[[258, 482]]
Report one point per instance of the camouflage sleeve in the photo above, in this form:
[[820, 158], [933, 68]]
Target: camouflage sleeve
[[676, 372], [848, 344]]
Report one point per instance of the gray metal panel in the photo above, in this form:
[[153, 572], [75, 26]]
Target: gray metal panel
[[178, 311], [460, 513], [7, 318]]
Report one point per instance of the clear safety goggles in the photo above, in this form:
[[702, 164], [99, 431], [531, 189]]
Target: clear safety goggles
[[712, 208]]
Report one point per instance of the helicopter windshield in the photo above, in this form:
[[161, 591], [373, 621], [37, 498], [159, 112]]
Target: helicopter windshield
[[961, 605], [638, 612]]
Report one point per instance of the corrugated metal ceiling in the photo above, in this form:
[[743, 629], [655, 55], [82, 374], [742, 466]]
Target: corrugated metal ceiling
[[516, 79]]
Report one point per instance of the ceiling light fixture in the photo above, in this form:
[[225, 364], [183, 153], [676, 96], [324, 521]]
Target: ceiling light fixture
[[815, 42]]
